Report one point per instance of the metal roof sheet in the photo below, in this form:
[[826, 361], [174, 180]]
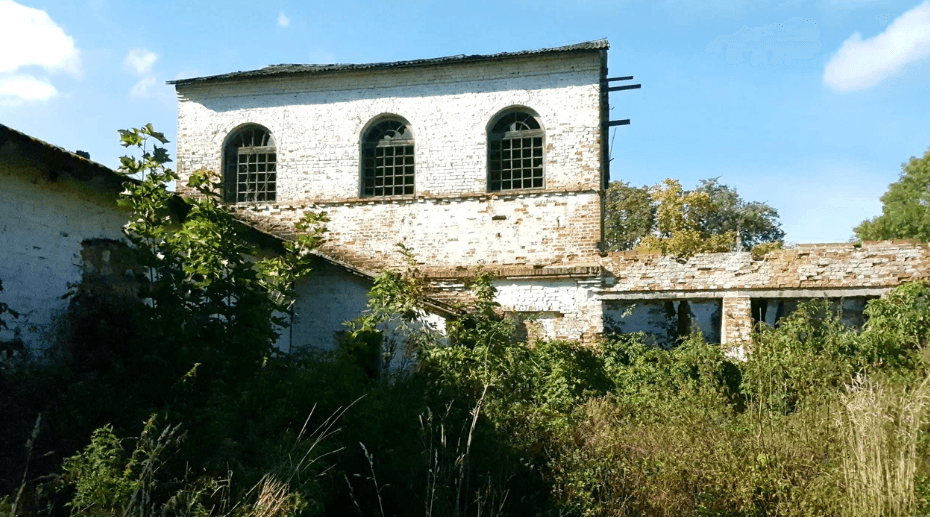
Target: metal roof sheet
[[286, 69]]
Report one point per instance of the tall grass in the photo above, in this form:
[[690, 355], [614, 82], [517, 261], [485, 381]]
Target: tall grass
[[881, 426]]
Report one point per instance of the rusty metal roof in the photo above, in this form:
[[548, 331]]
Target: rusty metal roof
[[285, 69]]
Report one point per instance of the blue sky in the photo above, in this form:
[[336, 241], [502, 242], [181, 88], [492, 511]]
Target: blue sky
[[809, 105]]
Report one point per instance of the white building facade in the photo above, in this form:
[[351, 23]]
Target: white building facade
[[469, 161]]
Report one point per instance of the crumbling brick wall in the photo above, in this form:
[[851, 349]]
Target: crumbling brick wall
[[806, 266], [806, 271]]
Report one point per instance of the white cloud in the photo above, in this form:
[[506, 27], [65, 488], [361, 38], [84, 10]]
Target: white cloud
[[860, 64], [32, 41], [143, 88], [140, 61], [16, 89], [30, 38], [283, 20], [773, 44]]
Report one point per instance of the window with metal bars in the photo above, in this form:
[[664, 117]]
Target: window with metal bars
[[387, 160], [515, 153], [250, 166]]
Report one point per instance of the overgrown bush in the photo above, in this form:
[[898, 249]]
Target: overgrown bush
[[481, 423]]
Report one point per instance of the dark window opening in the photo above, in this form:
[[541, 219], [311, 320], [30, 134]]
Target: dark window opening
[[515, 153], [250, 166], [388, 160], [851, 309], [664, 322]]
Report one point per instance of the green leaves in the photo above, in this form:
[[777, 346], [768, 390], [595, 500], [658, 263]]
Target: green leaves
[[629, 216], [208, 299], [681, 223], [137, 136], [905, 207], [668, 219]]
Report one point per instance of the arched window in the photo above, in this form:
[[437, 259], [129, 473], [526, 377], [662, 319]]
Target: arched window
[[515, 152], [387, 160], [250, 172]]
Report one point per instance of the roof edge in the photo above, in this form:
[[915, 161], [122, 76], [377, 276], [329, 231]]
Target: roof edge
[[294, 69], [54, 156]]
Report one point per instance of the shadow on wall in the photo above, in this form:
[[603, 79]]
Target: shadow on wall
[[664, 321]]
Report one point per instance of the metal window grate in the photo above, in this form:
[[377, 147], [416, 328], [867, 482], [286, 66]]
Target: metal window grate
[[389, 171], [257, 174], [388, 161], [516, 163], [251, 166], [515, 158]]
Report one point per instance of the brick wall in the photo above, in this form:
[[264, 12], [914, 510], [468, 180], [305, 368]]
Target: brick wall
[[520, 229], [326, 299], [317, 122], [879, 265], [806, 271], [43, 225]]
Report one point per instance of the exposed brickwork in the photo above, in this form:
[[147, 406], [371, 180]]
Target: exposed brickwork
[[562, 306], [492, 230], [817, 266], [541, 244], [736, 325]]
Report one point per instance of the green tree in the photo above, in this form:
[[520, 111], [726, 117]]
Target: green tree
[[629, 215], [905, 207], [753, 222], [207, 297], [668, 219], [681, 228]]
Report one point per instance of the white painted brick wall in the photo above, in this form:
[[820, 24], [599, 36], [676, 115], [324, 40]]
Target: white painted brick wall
[[318, 121], [565, 308], [326, 299], [330, 297], [42, 226]]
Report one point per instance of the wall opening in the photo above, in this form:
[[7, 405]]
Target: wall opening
[[664, 322], [772, 310]]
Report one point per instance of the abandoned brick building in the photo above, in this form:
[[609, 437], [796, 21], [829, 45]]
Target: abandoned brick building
[[496, 161]]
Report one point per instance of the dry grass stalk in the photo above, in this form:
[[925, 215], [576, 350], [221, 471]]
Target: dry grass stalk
[[880, 458]]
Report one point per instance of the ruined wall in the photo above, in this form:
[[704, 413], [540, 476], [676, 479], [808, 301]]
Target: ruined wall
[[845, 273], [318, 121], [44, 223], [736, 324], [562, 308], [547, 302], [660, 320], [826, 268]]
